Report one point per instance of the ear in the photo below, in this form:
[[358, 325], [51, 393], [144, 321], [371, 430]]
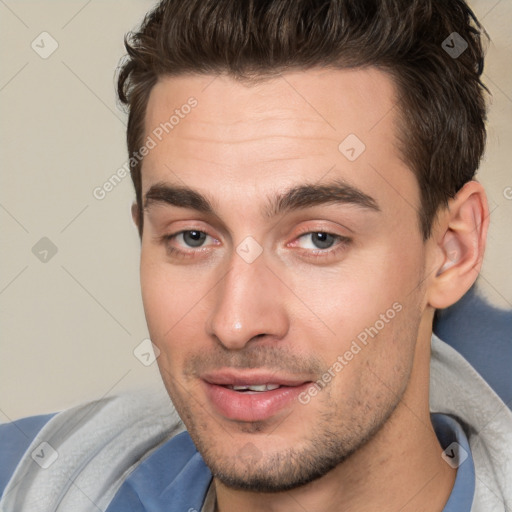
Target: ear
[[135, 214], [460, 237], [137, 219]]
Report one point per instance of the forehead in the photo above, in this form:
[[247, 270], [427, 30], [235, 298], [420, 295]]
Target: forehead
[[252, 139], [322, 102]]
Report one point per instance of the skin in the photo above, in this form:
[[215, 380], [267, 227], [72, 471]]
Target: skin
[[290, 311]]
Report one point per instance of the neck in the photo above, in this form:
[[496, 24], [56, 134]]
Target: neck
[[400, 468]]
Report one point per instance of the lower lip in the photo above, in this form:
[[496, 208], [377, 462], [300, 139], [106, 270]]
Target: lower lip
[[258, 406]]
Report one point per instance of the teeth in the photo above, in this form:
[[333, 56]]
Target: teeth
[[261, 387]]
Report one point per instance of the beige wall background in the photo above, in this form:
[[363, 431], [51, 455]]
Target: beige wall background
[[70, 309]]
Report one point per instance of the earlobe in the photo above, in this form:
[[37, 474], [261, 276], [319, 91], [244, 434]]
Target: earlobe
[[462, 234]]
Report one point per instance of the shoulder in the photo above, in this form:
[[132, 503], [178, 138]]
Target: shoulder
[[99, 443], [15, 438], [480, 332]]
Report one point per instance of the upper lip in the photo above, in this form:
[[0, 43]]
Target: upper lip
[[250, 377]]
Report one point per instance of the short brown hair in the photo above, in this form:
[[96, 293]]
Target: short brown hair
[[442, 105]]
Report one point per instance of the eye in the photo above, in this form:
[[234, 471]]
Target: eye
[[192, 238], [319, 240], [186, 243], [320, 244]]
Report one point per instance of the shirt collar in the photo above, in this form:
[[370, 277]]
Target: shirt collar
[[457, 453]]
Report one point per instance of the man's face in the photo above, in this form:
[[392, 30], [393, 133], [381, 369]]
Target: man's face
[[259, 291]]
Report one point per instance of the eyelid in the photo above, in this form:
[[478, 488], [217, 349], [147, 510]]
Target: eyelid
[[316, 229], [342, 242], [311, 230]]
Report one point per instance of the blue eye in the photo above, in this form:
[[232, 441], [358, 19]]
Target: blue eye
[[322, 240], [187, 243], [193, 238], [321, 246]]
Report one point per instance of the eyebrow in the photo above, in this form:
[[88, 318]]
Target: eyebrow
[[295, 198]]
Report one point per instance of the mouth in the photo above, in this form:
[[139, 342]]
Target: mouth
[[255, 388], [251, 395]]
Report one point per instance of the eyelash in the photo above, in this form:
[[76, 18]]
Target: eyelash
[[343, 241]]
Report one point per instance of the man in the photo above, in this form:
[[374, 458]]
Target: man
[[305, 201]]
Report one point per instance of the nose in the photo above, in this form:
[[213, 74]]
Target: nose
[[248, 303]]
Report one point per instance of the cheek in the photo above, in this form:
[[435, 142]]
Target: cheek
[[157, 297], [371, 375], [165, 300], [174, 305], [368, 315], [369, 285]]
